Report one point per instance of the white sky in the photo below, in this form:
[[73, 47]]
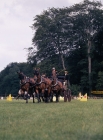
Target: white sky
[[16, 17]]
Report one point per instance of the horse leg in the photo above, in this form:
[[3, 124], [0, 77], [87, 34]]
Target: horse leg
[[57, 96], [19, 94], [46, 95], [26, 97], [51, 96], [69, 95], [33, 98], [33, 94], [38, 96], [17, 97], [41, 96]]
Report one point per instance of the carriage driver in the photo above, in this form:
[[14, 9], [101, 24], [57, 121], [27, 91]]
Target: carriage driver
[[54, 75]]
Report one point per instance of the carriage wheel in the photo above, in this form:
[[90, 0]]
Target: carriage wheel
[[68, 95], [65, 96]]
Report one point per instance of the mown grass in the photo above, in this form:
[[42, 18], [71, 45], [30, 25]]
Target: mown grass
[[51, 121]]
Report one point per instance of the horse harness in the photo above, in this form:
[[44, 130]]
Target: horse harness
[[55, 83], [41, 81], [26, 80]]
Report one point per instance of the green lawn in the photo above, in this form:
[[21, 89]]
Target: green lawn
[[51, 121]]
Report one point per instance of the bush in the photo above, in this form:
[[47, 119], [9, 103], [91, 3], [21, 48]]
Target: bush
[[75, 89]]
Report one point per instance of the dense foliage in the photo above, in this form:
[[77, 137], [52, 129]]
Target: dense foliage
[[9, 81], [72, 36]]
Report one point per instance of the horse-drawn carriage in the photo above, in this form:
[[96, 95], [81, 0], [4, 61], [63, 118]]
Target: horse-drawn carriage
[[66, 90], [44, 87]]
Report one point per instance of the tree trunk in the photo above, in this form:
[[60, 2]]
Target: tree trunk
[[89, 65], [62, 60]]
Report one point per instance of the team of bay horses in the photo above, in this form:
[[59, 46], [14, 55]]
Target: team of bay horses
[[42, 88]]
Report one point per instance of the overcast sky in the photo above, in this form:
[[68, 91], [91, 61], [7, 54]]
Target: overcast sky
[[16, 17]]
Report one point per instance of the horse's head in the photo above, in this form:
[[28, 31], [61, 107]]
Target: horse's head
[[36, 72], [37, 76], [21, 75]]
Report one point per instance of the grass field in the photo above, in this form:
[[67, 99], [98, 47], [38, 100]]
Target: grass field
[[51, 121]]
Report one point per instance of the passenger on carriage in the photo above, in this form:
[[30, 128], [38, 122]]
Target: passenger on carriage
[[66, 79], [66, 75]]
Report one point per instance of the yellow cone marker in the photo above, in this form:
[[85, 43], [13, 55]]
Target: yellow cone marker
[[84, 98], [9, 98]]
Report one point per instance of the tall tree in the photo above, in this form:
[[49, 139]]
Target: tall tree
[[87, 19], [64, 31], [51, 35]]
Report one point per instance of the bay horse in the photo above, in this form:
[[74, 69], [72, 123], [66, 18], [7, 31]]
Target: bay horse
[[56, 88], [27, 85], [21, 94], [43, 86]]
